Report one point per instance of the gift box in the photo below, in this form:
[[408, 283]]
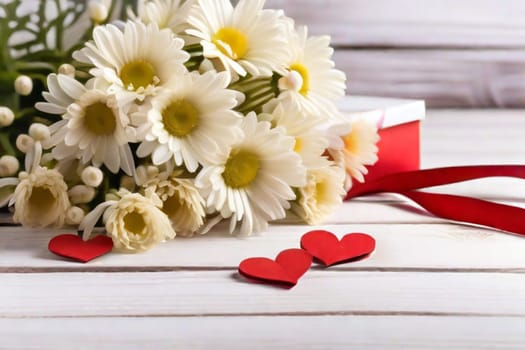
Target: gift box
[[398, 123]]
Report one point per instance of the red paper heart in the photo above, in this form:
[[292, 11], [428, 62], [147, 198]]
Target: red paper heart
[[326, 247], [287, 268], [73, 247]]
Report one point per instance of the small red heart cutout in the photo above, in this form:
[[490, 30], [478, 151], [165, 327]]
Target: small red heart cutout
[[326, 247], [73, 247], [287, 267]]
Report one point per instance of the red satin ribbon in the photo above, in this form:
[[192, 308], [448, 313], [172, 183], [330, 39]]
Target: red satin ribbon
[[453, 207]]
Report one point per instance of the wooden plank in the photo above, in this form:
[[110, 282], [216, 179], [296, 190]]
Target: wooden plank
[[399, 246], [456, 137], [444, 78], [225, 293], [448, 138], [306, 332], [413, 23]]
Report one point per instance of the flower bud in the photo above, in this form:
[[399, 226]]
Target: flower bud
[[6, 116], [74, 215], [24, 142], [9, 165], [23, 85], [92, 176], [152, 171], [81, 194], [39, 132], [98, 12], [127, 182], [67, 69], [141, 175], [293, 81]]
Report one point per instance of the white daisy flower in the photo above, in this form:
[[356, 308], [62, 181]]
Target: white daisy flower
[[310, 142], [245, 39], [41, 198], [323, 192], [93, 127], [311, 81], [358, 149], [136, 223], [181, 201], [252, 184], [136, 61], [192, 122], [172, 14]]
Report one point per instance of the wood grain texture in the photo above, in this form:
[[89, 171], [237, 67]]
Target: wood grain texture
[[464, 248], [428, 285], [467, 53], [448, 138], [225, 293], [284, 332], [429, 23], [444, 78]]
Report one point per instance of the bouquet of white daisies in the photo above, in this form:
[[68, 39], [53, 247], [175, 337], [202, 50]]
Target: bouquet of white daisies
[[183, 115]]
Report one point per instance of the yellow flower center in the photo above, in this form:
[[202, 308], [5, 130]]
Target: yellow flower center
[[134, 223], [172, 205], [321, 192], [99, 119], [298, 145], [137, 74], [231, 42], [303, 71], [180, 118], [351, 142], [241, 169], [41, 199]]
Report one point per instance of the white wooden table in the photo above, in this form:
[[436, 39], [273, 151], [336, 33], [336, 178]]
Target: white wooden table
[[430, 284]]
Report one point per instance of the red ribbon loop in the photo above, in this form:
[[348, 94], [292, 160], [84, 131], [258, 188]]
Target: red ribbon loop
[[453, 207]]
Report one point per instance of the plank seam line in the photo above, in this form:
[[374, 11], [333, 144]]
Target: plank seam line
[[284, 314], [161, 269], [374, 45]]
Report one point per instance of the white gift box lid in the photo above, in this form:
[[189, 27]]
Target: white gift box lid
[[386, 112]]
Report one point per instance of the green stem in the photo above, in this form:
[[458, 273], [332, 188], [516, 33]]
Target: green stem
[[25, 113], [6, 144]]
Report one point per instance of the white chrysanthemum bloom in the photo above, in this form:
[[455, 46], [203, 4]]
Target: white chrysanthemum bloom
[[323, 193], [23, 85], [172, 14], [245, 39], [181, 201], [41, 198], [310, 142], [136, 223], [137, 61], [94, 128], [9, 165], [7, 116], [193, 122], [359, 148], [311, 81], [253, 183]]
